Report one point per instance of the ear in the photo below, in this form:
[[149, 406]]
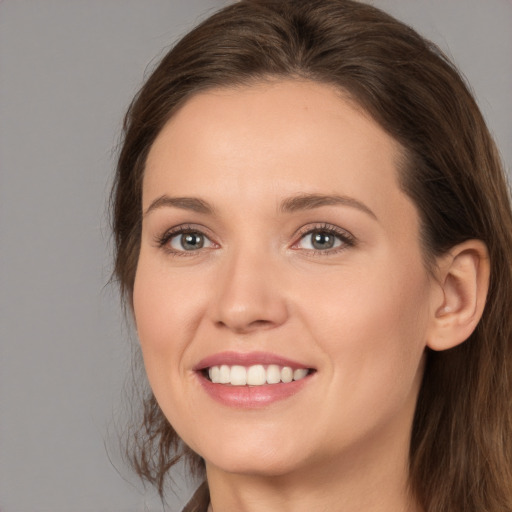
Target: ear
[[463, 277]]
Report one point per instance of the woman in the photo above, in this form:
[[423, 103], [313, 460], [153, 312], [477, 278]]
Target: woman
[[314, 234]]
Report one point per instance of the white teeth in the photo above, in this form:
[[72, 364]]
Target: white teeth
[[256, 375], [299, 374], [286, 374], [214, 374], [225, 374], [273, 374], [238, 376]]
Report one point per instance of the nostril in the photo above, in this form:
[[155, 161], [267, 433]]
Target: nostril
[[261, 323], [243, 327]]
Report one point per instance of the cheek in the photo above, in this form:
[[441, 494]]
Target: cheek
[[372, 325], [165, 322]]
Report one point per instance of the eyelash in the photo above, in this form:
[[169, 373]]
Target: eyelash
[[163, 241], [347, 239]]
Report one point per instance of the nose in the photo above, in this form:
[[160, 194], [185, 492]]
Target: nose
[[251, 294]]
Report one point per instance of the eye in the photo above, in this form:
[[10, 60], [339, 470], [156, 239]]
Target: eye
[[183, 240], [324, 239], [319, 241], [189, 241]]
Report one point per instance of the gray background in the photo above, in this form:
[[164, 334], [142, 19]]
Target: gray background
[[68, 69]]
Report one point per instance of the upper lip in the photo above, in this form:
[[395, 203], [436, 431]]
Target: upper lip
[[231, 358]]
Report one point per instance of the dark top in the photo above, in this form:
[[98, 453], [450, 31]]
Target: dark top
[[200, 500]]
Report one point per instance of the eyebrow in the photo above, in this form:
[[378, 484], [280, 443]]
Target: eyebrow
[[289, 205], [311, 201], [184, 203]]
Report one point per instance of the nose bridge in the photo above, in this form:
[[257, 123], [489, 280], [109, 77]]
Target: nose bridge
[[250, 296]]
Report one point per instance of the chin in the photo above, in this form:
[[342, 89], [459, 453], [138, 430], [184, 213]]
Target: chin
[[257, 457], [260, 465]]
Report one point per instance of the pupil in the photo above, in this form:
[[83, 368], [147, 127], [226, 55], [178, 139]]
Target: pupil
[[323, 240], [192, 241]]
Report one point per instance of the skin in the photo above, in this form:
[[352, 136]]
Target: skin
[[360, 314]]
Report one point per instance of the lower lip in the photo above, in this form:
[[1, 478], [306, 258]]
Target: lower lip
[[251, 397]]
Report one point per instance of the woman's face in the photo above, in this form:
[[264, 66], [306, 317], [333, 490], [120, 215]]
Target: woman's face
[[277, 244]]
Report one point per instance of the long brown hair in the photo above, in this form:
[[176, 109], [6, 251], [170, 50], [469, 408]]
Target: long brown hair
[[461, 449]]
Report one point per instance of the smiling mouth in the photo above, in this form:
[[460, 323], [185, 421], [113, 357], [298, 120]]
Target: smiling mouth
[[254, 375]]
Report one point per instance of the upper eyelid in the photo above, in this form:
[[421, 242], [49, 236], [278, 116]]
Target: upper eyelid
[[347, 239], [163, 238], [187, 228], [324, 226]]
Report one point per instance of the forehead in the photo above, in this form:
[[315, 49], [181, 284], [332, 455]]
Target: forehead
[[299, 135], [291, 109]]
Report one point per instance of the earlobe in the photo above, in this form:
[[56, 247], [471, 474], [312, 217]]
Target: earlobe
[[463, 275]]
